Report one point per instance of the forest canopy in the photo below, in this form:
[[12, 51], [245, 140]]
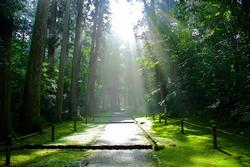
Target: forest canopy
[[69, 59]]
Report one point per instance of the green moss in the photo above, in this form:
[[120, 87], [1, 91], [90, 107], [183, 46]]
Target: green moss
[[50, 157], [61, 130], [47, 158], [194, 148]]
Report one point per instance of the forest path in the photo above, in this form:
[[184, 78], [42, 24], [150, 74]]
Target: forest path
[[121, 131]]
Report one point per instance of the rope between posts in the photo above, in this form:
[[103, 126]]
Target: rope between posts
[[218, 130], [29, 135], [192, 124], [26, 136], [228, 133], [209, 128]]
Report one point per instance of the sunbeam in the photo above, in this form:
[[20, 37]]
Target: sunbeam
[[119, 61], [124, 17]]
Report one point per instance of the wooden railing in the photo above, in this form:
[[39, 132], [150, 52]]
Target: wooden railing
[[212, 128], [9, 146]]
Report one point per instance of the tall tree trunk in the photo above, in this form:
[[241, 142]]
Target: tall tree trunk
[[76, 59], [162, 84], [5, 51], [64, 48], [152, 23], [90, 86], [96, 34], [52, 33], [30, 116]]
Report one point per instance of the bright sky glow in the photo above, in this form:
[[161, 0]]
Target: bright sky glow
[[124, 16]]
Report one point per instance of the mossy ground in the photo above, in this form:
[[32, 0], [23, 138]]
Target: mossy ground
[[39, 158], [50, 157], [191, 149], [61, 130], [194, 148]]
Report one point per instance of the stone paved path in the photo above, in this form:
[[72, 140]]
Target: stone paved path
[[121, 134]]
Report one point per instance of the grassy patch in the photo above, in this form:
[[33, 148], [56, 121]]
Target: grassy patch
[[194, 148], [64, 134], [61, 130], [53, 158]]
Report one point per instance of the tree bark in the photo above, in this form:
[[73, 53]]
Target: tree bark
[[76, 60], [95, 46], [64, 52], [52, 33], [152, 23], [30, 116], [90, 86], [162, 84], [5, 93]]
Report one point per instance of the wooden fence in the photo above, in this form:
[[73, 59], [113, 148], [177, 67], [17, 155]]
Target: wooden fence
[[213, 129], [9, 139]]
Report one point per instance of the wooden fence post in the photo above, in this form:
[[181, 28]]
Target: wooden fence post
[[75, 125], [8, 150], [214, 133], [182, 126], [165, 119], [52, 132], [86, 120], [153, 116], [160, 118]]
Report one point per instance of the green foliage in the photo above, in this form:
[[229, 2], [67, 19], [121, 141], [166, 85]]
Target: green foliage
[[49, 86], [146, 62], [9, 7], [19, 63], [242, 114], [206, 57]]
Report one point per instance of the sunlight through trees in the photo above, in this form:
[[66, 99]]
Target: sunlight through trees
[[71, 59]]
